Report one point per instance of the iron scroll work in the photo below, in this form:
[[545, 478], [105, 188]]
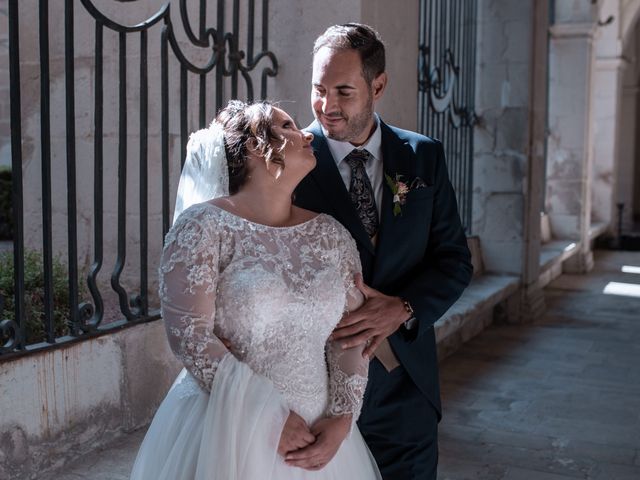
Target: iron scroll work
[[227, 73], [446, 88]]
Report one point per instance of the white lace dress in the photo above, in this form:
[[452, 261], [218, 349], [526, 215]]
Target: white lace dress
[[276, 293]]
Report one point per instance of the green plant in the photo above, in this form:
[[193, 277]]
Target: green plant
[[34, 295], [6, 211]]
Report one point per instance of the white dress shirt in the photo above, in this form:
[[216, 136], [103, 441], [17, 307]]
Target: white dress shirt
[[340, 150]]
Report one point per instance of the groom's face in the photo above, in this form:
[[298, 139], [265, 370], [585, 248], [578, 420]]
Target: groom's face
[[341, 98]]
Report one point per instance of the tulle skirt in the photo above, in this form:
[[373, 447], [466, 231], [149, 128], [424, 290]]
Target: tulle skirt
[[233, 434]]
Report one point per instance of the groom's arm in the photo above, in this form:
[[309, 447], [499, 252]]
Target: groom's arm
[[445, 270], [431, 287]]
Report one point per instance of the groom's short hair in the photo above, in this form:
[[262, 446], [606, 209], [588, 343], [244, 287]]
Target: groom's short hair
[[356, 36]]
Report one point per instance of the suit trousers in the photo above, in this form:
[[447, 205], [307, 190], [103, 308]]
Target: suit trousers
[[399, 425]]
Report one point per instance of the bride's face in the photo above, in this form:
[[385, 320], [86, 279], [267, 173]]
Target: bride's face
[[297, 152]]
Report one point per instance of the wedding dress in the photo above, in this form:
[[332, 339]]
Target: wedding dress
[[276, 293]]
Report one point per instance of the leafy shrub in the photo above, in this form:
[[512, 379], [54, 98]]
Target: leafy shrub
[[34, 295], [6, 212]]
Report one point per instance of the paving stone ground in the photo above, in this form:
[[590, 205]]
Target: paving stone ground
[[558, 399]]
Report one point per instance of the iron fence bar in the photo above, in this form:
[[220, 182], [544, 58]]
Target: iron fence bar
[[199, 40], [72, 239], [267, 72], [433, 52], [251, 8], [461, 55], [234, 59], [203, 20], [203, 76], [184, 16], [465, 65], [164, 113], [143, 299], [98, 187], [45, 156], [265, 25], [202, 101], [122, 180], [458, 54], [436, 87], [13, 330], [183, 113], [471, 100], [220, 42]]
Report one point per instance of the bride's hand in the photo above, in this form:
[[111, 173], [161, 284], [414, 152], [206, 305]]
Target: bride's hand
[[329, 432], [295, 434]]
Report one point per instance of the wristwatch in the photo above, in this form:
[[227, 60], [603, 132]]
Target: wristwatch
[[409, 324]]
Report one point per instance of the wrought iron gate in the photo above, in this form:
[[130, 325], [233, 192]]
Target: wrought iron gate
[[227, 72], [446, 88]]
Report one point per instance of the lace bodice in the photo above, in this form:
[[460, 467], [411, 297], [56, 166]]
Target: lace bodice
[[276, 293]]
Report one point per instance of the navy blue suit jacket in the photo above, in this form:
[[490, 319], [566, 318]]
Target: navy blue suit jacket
[[421, 255]]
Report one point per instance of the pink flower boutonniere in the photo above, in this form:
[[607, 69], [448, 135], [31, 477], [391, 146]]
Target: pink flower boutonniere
[[400, 189]]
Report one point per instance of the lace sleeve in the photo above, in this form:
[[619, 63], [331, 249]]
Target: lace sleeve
[[347, 368], [188, 281]]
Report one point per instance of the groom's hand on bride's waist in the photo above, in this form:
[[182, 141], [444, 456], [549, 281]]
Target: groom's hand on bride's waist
[[375, 320]]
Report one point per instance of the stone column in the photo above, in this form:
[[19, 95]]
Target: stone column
[[531, 296], [568, 199], [605, 137], [628, 152], [628, 166], [509, 144]]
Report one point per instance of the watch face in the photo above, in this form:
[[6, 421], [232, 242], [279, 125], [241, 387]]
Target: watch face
[[409, 324]]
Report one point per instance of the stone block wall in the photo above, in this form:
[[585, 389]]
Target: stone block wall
[[64, 402], [502, 136]]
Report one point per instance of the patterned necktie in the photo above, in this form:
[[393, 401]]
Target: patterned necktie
[[361, 191]]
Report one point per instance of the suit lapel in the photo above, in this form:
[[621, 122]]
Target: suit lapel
[[330, 182], [398, 158]]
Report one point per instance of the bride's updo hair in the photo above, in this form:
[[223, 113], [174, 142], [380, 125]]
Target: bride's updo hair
[[248, 126]]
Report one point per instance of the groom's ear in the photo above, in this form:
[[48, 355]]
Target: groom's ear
[[378, 85]]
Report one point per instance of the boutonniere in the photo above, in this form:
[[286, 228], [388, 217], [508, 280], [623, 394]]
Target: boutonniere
[[400, 189]]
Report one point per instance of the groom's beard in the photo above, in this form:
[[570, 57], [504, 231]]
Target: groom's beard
[[354, 125]]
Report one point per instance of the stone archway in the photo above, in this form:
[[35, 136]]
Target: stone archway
[[613, 116], [628, 138]]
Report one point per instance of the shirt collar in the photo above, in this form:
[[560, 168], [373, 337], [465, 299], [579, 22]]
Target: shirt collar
[[340, 150]]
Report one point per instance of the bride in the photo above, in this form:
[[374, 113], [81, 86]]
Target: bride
[[251, 288]]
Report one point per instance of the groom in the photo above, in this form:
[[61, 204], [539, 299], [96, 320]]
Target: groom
[[390, 188]]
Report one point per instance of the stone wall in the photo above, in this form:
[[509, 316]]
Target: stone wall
[[64, 402], [502, 138]]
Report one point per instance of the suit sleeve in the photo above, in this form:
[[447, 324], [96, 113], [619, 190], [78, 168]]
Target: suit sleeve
[[445, 270]]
